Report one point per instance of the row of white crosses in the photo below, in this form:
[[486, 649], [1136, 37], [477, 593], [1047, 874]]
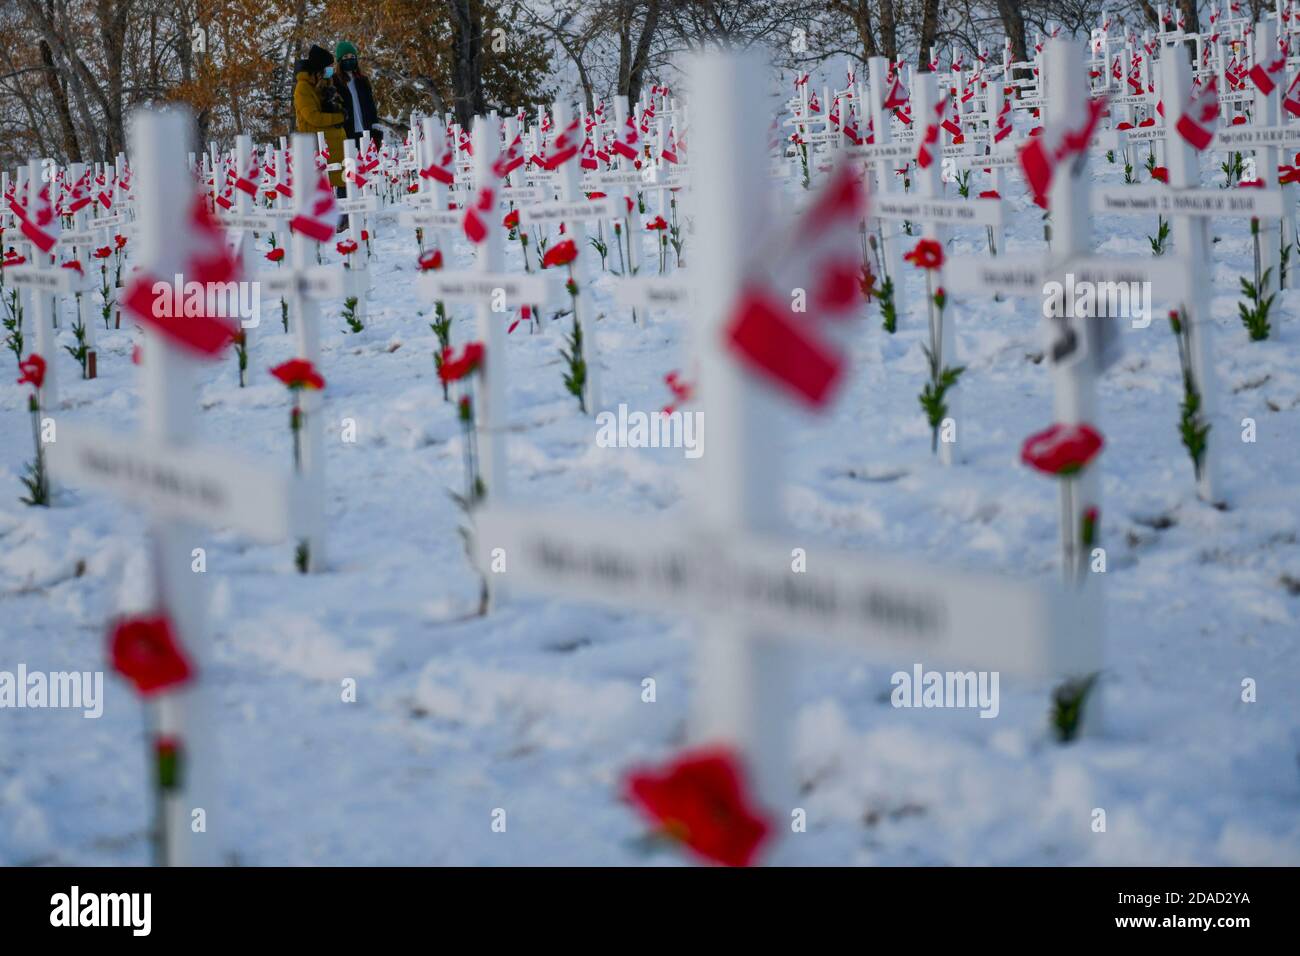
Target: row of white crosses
[[43, 280], [729, 564], [1081, 346], [183, 485]]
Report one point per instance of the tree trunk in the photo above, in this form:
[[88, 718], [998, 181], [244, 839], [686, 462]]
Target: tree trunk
[[72, 65], [929, 31], [634, 62], [1191, 19], [888, 31], [112, 16], [1013, 25], [71, 148], [467, 62], [862, 23]]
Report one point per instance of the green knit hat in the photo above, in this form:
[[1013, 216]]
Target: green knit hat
[[344, 48]]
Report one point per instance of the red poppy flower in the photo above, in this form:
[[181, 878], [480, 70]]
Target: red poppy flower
[[658, 223], [560, 254], [1062, 449], [1147, 123], [1124, 126], [75, 266], [453, 369], [413, 188], [700, 799], [1160, 174], [1239, 121], [33, 369], [270, 194], [990, 194], [928, 254], [119, 241], [431, 260], [275, 255], [299, 373], [103, 252], [13, 259], [512, 219], [346, 247], [595, 195], [145, 652]]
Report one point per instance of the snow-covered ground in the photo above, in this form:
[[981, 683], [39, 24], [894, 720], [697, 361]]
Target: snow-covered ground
[[537, 708]]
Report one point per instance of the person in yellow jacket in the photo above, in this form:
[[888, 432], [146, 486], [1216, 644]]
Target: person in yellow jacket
[[316, 105]]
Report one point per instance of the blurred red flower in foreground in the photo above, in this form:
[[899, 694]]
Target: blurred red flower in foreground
[[299, 373], [454, 369], [560, 254], [33, 369], [928, 254], [700, 800], [1063, 449], [145, 652]]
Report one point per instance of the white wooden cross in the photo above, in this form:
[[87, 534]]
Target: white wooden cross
[[1190, 210], [494, 293], [183, 485], [1079, 349], [304, 285], [84, 237], [730, 566], [45, 283], [935, 215], [575, 210], [354, 203]]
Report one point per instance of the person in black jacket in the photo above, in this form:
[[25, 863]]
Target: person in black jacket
[[359, 112]]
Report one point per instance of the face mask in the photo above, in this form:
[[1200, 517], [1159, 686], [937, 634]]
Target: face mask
[[329, 71], [349, 65]]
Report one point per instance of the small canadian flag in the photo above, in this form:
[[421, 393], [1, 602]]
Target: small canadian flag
[[202, 257], [1060, 141], [669, 152], [42, 226], [440, 169], [247, 183], [318, 222], [1291, 99], [625, 143], [564, 148], [1262, 74], [817, 254], [1200, 116]]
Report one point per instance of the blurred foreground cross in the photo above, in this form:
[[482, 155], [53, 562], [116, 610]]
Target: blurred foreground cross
[[730, 563], [181, 484]]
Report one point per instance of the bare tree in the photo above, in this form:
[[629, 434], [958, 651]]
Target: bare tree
[[637, 19], [71, 148], [467, 59]]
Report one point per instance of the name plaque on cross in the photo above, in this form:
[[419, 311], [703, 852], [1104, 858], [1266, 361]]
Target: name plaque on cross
[[565, 209], [979, 212], [848, 599], [205, 485]]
